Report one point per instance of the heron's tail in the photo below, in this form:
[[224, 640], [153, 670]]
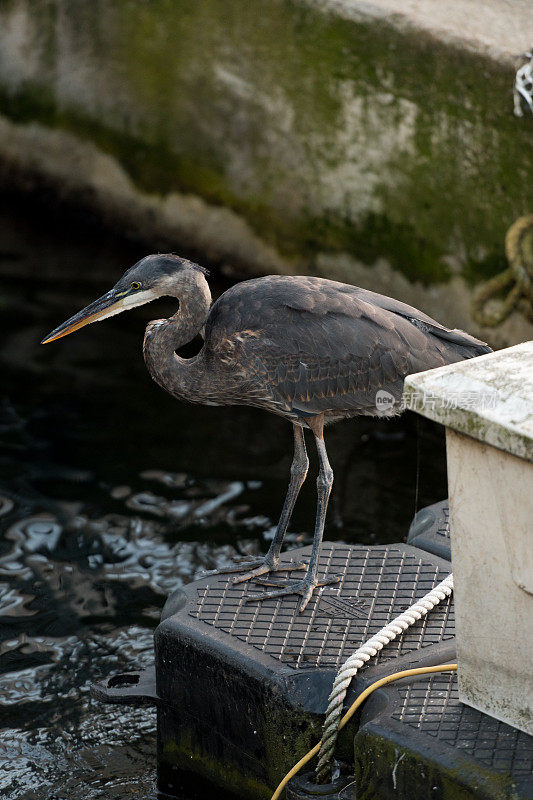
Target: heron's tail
[[460, 346]]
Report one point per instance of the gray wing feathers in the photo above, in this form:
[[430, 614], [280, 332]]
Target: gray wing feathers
[[314, 345], [423, 321]]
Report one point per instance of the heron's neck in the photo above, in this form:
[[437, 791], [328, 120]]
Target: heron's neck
[[164, 337]]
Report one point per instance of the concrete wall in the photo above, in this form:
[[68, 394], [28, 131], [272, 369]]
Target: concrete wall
[[321, 137]]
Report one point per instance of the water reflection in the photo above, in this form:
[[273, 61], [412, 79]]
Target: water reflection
[[79, 596], [112, 495]]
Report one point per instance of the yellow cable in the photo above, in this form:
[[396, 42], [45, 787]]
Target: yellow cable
[[406, 673]]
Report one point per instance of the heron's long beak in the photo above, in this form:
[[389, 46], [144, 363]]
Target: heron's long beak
[[106, 306]]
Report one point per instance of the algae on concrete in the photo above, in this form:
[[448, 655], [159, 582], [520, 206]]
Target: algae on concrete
[[353, 147]]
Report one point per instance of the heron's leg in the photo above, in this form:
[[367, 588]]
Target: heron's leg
[[299, 467], [255, 567], [308, 584]]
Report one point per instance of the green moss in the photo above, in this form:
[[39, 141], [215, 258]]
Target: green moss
[[325, 134], [184, 756], [375, 236], [385, 767], [490, 265], [285, 736]]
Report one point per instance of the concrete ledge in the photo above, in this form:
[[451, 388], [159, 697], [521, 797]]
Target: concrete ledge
[[500, 28], [490, 398]]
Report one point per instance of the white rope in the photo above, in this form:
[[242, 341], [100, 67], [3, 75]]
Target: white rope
[[359, 658]]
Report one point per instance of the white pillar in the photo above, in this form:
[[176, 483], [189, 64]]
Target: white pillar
[[486, 405]]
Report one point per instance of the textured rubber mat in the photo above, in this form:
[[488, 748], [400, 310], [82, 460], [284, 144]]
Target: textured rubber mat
[[441, 739], [430, 530], [377, 584]]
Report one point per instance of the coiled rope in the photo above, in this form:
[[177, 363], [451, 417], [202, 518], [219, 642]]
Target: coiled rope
[[517, 279], [358, 659]]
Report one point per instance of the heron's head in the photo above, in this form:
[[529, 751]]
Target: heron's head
[[152, 277]]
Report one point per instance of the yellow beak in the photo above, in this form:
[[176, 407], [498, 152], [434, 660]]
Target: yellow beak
[[104, 307]]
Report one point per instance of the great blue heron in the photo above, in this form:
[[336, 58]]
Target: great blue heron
[[308, 349]]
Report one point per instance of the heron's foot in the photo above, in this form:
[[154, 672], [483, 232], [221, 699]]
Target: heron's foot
[[264, 567], [305, 588], [252, 567]]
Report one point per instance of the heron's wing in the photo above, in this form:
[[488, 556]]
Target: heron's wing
[[466, 344], [310, 345], [334, 362]]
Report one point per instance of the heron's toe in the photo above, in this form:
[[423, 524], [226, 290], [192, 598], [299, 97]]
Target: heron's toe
[[240, 564], [307, 594], [305, 588], [263, 569]]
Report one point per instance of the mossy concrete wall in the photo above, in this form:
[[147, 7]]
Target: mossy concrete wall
[[286, 135]]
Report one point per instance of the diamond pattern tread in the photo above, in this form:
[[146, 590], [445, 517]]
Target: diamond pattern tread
[[377, 584]]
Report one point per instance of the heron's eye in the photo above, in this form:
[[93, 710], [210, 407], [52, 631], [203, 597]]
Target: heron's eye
[[135, 285]]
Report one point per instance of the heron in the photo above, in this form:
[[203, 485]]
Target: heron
[[308, 349]]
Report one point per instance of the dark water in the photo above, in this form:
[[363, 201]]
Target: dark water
[[113, 494]]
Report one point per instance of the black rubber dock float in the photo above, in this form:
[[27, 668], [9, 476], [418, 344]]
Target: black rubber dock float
[[416, 740], [430, 530], [242, 687]]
